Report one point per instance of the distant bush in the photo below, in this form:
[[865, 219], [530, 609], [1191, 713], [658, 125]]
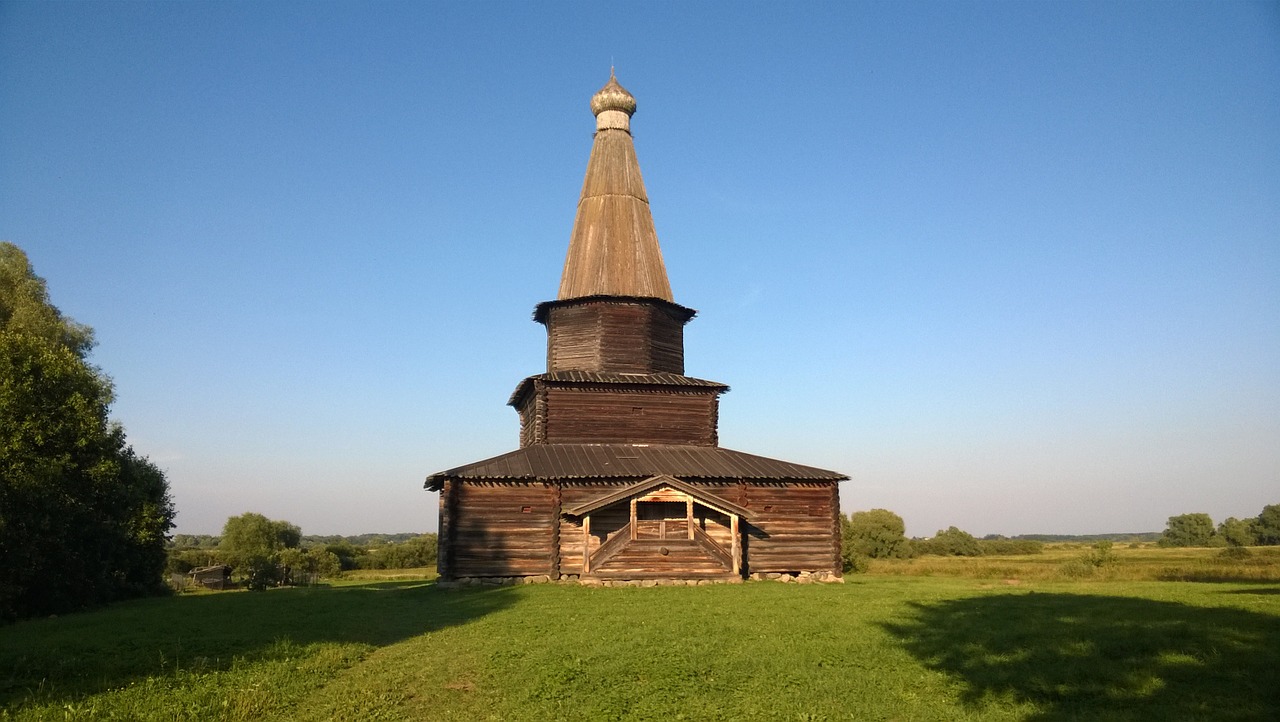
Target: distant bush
[[875, 534], [1188, 530], [260, 571], [856, 564], [1077, 569], [1237, 532], [349, 555], [1266, 528], [181, 561], [1234, 553], [1010, 547], [417, 551], [420, 551], [949, 542], [1100, 555]]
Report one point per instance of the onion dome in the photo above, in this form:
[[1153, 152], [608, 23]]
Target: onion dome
[[613, 97]]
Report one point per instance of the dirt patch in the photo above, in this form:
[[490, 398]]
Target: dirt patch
[[462, 685]]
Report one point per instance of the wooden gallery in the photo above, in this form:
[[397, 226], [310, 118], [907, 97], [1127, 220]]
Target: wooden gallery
[[619, 474]]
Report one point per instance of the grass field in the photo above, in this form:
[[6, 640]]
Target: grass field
[[887, 645]]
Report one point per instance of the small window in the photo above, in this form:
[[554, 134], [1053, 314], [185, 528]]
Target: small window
[[526, 510], [768, 507]]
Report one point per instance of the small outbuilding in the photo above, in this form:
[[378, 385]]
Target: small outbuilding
[[619, 474], [217, 576]]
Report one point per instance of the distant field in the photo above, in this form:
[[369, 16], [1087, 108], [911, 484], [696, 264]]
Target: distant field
[[882, 646], [1066, 562]]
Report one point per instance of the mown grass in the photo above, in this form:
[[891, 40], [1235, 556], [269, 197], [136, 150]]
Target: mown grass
[[877, 647]]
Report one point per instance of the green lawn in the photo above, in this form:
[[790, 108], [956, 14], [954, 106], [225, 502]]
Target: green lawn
[[878, 647]]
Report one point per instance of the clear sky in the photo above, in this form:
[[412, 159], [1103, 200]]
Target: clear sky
[[1011, 266]]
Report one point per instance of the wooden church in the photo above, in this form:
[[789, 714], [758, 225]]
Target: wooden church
[[619, 474]]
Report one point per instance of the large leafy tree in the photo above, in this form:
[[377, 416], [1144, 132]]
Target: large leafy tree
[[255, 546], [1236, 532], [1188, 530], [1266, 527], [876, 534], [951, 542], [83, 519]]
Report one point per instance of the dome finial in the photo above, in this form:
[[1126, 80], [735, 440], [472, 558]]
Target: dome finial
[[613, 106]]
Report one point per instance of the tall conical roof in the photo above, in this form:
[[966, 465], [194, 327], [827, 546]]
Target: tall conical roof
[[613, 250]]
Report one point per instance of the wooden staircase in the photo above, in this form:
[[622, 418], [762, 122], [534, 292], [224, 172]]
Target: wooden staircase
[[661, 559]]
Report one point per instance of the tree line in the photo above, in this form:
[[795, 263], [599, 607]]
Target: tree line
[[263, 552], [83, 517], [881, 534], [1197, 530]]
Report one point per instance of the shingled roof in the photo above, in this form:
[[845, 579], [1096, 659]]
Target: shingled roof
[[598, 378], [547, 462], [613, 250]]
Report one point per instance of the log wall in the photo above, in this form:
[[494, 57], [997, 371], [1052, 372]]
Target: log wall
[[612, 415], [792, 530], [502, 529], [532, 410], [617, 337]]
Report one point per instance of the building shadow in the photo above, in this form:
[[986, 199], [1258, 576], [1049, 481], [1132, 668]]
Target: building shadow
[[1089, 657], [83, 654]]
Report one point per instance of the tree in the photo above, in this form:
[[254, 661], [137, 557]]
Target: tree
[[951, 542], [419, 551], [1266, 527], [1236, 532], [1188, 530], [253, 545], [875, 534], [25, 308], [83, 518]]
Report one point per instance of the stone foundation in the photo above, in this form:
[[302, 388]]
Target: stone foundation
[[799, 577], [785, 577]]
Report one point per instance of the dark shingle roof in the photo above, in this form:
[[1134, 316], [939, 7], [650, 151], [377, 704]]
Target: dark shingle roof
[[684, 313], [596, 461], [597, 377]]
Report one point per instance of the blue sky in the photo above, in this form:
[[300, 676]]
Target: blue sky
[[1012, 266]]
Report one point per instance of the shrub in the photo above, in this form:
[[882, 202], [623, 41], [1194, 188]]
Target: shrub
[[1100, 555], [260, 572], [1077, 569], [855, 563], [878, 534], [1234, 553], [951, 542], [1010, 547], [419, 551]]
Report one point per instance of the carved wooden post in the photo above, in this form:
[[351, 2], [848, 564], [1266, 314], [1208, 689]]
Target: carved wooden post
[[688, 515], [586, 544], [737, 544]]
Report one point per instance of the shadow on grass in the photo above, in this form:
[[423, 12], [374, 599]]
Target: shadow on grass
[[1078, 656], [1242, 577], [1266, 591], [82, 654]]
